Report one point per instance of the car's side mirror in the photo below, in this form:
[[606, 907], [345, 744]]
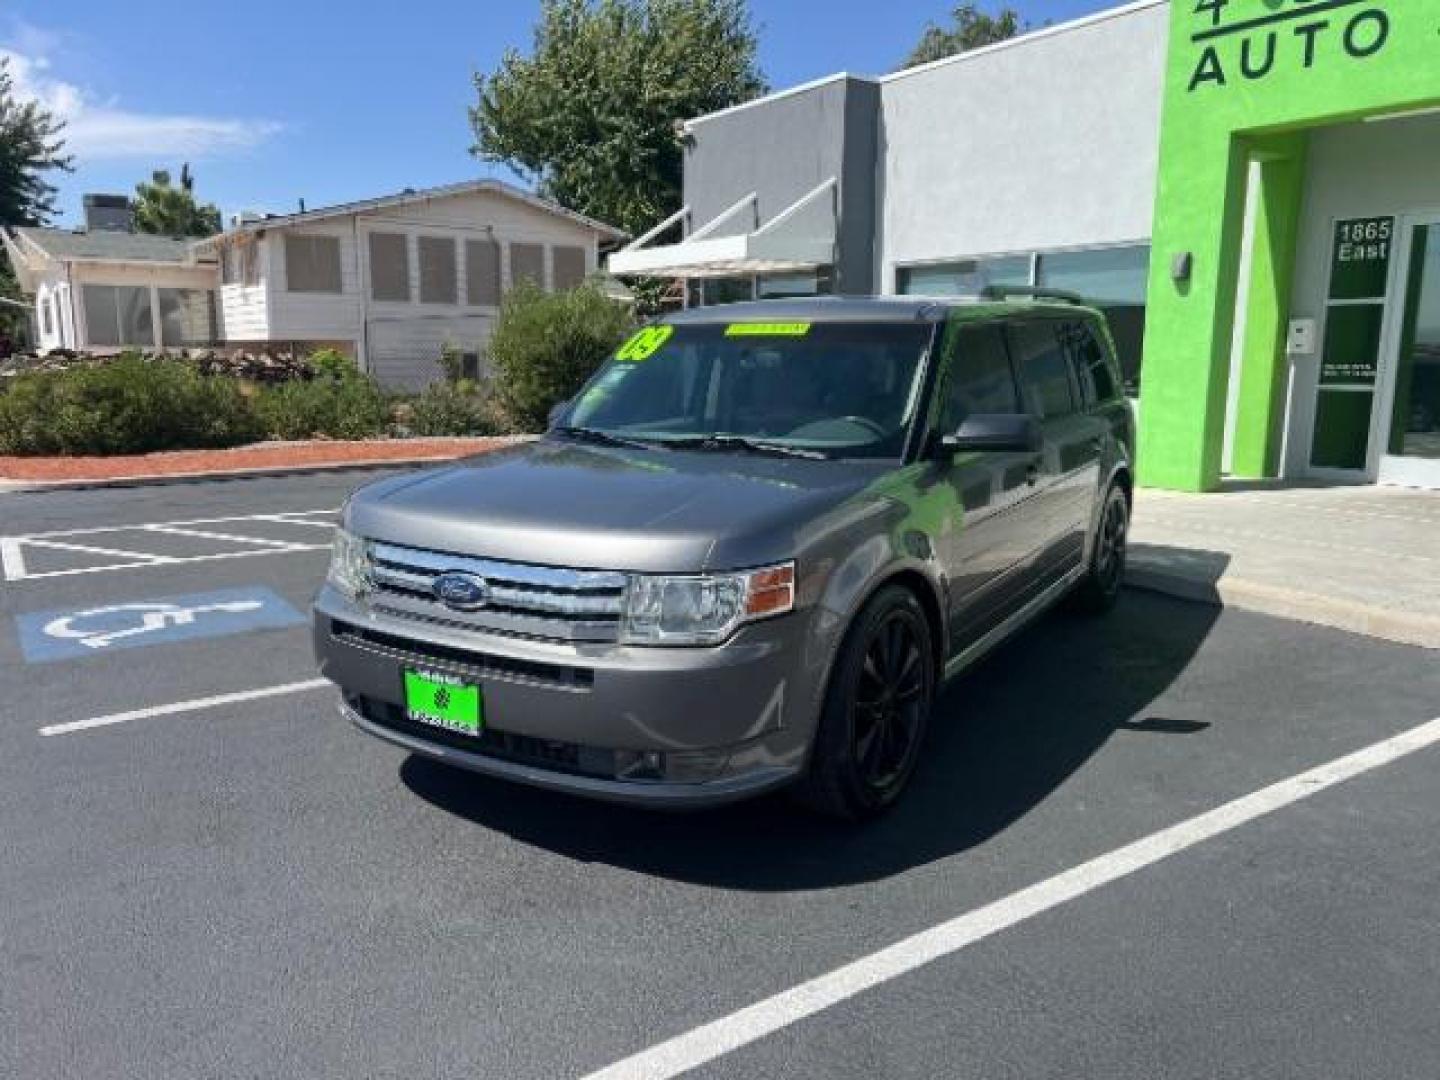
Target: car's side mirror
[[994, 433], [556, 411]]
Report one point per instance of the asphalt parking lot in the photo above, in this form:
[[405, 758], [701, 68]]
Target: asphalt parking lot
[[205, 872]]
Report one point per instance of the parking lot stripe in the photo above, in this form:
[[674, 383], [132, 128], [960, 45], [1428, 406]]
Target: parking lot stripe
[[205, 534], [194, 705], [12, 559], [169, 560], [704, 1044], [92, 549], [96, 529]]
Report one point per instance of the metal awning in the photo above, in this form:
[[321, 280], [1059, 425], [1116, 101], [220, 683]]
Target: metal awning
[[800, 237]]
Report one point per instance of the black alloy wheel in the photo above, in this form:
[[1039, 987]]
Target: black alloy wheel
[[876, 710]]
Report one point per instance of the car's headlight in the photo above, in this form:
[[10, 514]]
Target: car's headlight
[[703, 609], [350, 564]]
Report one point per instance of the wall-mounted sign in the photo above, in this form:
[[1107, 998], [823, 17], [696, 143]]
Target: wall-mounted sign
[[1360, 258], [1234, 44]]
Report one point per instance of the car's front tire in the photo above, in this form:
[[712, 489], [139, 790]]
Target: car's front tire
[[876, 710], [1100, 587]]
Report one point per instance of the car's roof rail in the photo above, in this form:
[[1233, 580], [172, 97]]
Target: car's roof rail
[[1029, 292]]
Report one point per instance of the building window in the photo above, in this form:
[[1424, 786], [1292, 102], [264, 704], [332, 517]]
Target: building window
[[187, 316], [47, 316], [118, 314], [482, 273], [567, 267], [527, 261], [964, 277], [717, 291], [1115, 281], [815, 282], [312, 263], [437, 270], [389, 267]]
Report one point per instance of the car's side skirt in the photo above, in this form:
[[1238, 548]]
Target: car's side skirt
[[1016, 622]]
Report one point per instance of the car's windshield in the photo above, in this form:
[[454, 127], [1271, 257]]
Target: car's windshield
[[831, 389]]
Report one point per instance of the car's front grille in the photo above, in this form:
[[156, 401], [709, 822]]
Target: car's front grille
[[468, 663], [534, 601], [549, 754]]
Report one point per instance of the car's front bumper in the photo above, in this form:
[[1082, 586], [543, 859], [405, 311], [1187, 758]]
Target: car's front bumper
[[731, 722]]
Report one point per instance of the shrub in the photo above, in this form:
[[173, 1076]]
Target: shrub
[[451, 409], [128, 405], [351, 407], [545, 345], [333, 364]]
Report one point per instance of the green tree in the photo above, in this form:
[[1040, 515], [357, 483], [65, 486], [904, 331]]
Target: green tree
[[970, 28], [545, 345], [31, 149], [166, 210], [591, 115]]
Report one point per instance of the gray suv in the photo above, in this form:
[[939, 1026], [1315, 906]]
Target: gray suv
[[745, 555]]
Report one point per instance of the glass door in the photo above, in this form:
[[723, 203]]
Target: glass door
[[1410, 452]]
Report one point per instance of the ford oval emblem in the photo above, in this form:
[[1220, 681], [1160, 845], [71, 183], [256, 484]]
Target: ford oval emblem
[[461, 591]]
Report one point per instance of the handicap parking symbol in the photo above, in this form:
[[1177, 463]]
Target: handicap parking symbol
[[105, 628]]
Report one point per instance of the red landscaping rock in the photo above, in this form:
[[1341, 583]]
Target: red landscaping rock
[[258, 456]]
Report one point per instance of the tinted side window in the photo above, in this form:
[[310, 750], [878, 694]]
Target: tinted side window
[[1092, 365], [980, 379], [1044, 369]]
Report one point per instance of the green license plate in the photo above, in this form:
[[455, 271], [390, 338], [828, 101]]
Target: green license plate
[[444, 701]]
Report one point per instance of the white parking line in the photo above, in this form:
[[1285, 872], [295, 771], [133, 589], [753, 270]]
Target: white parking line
[[230, 538], [194, 705], [14, 566], [730, 1033], [12, 559]]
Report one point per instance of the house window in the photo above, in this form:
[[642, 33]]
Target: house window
[[568, 267], [118, 314], [482, 273], [437, 270], [187, 316], [527, 261], [312, 263], [389, 267], [47, 316]]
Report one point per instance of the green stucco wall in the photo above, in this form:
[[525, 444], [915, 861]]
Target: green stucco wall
[[1245, 78]]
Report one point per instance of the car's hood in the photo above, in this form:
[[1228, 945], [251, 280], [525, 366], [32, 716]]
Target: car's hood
[[560, 503]]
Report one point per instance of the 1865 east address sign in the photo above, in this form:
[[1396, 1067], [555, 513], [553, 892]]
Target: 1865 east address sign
[[1247, 42]]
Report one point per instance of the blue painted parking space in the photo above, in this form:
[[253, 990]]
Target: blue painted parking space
[[73, 633]]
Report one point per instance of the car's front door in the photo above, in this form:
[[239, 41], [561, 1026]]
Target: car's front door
[[995, 495]]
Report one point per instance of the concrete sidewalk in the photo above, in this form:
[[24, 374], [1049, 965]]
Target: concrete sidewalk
[[1363, 559]]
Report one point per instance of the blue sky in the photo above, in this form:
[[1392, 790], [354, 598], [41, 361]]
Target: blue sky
[[271, 102]]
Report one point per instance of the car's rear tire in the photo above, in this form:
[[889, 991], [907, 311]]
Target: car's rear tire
[[876, 710], [1100, 587]]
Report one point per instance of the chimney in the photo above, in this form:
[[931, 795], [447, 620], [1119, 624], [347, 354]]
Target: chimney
[[108, 213]]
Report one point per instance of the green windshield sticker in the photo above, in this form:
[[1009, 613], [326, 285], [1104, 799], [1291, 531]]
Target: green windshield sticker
[[768, 329], [644, 343]]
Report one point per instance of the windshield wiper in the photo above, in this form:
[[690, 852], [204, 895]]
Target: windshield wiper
[[748, 445], [601, 438]]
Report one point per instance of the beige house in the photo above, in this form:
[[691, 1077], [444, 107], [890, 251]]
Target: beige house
[[389, 280]]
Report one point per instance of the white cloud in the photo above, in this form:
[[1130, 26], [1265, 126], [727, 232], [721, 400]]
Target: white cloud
[[97, 130]]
